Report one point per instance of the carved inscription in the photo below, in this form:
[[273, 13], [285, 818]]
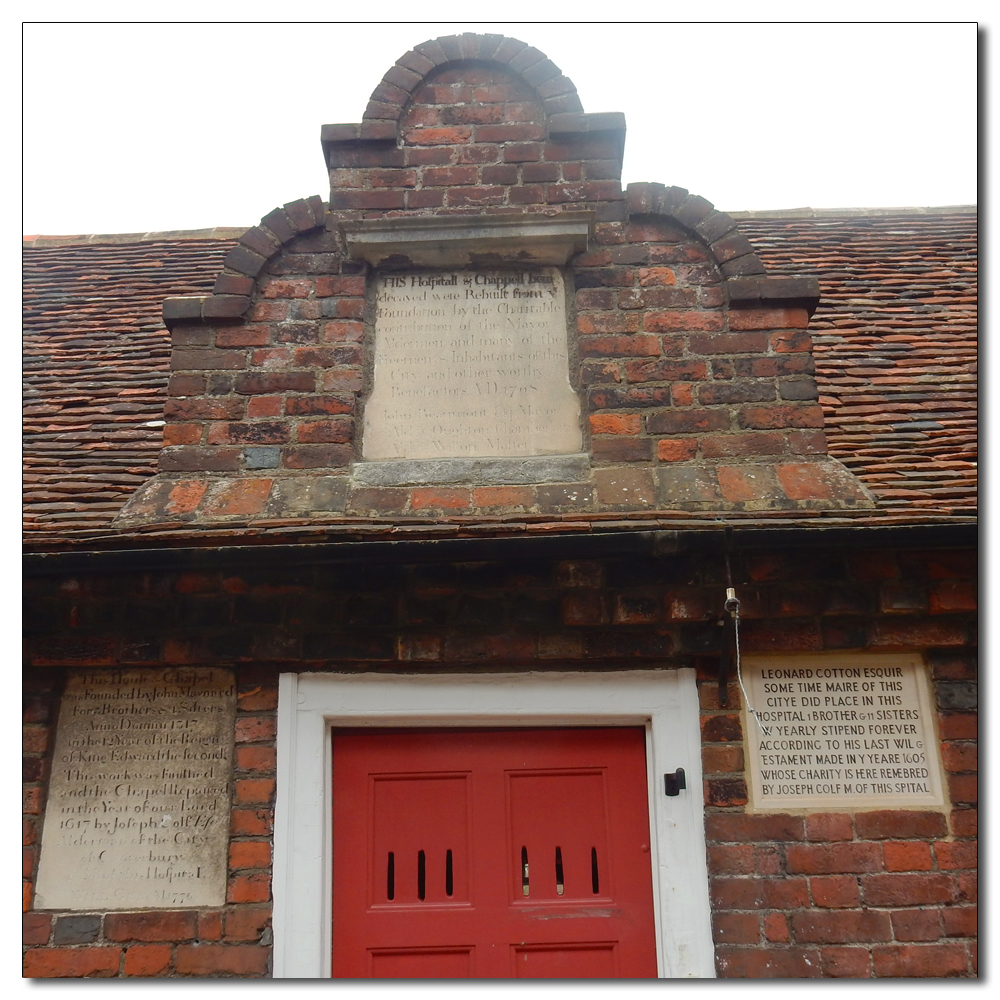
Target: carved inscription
[[471, 364], [138, 808], [849, 732]]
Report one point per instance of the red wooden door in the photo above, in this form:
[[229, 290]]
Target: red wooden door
[[491, 854]]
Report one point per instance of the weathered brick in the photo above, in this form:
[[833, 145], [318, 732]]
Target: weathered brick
[[147, 960], [72, 963], [908, 890], [915, 961], [178, 925], [221, 960]]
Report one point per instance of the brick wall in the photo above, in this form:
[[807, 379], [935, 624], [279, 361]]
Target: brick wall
[[853, 894]]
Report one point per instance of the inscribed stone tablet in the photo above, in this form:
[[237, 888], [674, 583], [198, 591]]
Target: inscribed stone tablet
[[138, 808], [840, 731], [471, 364]]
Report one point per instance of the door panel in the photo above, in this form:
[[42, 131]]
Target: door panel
[[491, 854]]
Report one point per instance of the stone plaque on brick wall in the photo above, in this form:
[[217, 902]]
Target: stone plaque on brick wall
[[845, 732], [471, 364], [138, 807]]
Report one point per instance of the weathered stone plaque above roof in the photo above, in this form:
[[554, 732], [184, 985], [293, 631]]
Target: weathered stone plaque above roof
[[471, 364]]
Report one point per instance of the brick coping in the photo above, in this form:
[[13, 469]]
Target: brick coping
[[234, 233]]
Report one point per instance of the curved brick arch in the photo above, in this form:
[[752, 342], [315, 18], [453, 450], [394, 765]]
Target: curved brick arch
[[746, 279], [234, 287], [389, 99]]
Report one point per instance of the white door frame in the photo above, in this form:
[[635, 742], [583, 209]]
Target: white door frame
[[665, 702]]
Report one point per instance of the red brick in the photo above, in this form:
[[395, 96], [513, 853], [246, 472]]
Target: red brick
[[174, 434], [835, 891], [251, 822], [736, 893], [221, 959], [255, 888], [686, 421], [147, 960], [669, 321], [71, 963], [777, 416], [829, 826], [255, 730], [776, 927], [616, 347], [761, 829], [36, 928], [833, 859], [249, 854], [790, 342], [431, 497], [682, 394], [163, 925], [656, 276], [247, 922], [245, 496], [335, 284], [899, 825], [914, 961], [907, 856], [960, 921], [785, 893], [958, 725], [953, 595], [256, 758], [615, 423], [766, 963], [908, 890], [318, 406], [916, 925], [317, 456], [502, 496], [244, 336], [736, 928], [768, 319], [264, 406], [260, 383], [665, 370], [269, 312], [609, 322], [841, 926], [845, 963], [257, 697], [286, 288], [203, 409], [210, 925], [730, 859], [721, 759], [326, 431], [342, 331], [679, 450], [956, 854], [253, 790], [965, 822]]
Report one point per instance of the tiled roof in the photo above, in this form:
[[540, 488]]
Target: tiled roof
[[895, 337]]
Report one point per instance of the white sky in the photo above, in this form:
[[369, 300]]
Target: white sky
[[132, 127]]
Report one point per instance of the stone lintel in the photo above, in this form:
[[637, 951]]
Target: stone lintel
[[462, 241], [473, 471]]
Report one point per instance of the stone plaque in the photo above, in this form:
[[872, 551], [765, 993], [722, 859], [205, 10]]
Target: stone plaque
[[471, 364], [844, 732], [138, 808]]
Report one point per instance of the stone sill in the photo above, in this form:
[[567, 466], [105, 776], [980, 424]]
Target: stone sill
[[473, 471]]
